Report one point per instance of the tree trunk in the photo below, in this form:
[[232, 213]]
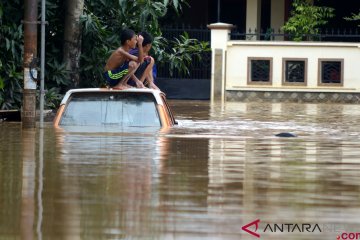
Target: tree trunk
[[72, 38]]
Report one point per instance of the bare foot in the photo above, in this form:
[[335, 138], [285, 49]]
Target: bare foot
[[140, 84], [121, 87]]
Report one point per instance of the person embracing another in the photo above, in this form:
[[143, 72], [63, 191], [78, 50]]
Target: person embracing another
[[121, 65], [145, 72]]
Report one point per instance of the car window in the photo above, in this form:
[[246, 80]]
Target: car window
[[119, 108]]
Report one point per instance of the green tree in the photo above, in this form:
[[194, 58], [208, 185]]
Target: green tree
[[11, 48], [102, 26], [101, 23], [354, 17], [72, 38], [306, 19]]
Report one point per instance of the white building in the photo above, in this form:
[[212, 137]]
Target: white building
[[280, 70]]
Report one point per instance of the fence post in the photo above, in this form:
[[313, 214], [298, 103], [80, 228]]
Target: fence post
[[220, 35]]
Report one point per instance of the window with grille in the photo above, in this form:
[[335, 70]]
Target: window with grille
[[295, 71], [260, 70], [331, 71]]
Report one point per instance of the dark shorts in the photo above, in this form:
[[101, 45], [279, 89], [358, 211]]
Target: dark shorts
[[140, 71], [113, 77]]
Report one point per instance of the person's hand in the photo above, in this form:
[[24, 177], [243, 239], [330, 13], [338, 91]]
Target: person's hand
[[140, 40]]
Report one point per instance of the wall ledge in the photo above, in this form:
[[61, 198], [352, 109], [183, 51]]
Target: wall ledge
[[290, 43], [294, 89]]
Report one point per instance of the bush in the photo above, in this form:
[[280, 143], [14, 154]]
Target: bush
[[306, 19]]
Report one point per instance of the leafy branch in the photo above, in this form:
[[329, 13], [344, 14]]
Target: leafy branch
[[306, 19], [354, 17], [179, 52]]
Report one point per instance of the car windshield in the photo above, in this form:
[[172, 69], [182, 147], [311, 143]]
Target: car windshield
[[115, 108]]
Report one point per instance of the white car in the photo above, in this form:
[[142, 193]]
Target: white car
[[101, 107]]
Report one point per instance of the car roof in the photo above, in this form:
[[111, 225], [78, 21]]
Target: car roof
[[155, 93]]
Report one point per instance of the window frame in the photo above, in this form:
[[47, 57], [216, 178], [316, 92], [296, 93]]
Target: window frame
[[286, 83], [249, 81], [101, 94], [320, 61]]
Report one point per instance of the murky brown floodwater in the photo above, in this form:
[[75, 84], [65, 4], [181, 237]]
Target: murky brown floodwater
[[219, 170]]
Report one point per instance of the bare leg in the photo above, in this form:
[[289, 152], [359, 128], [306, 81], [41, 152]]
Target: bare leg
[[150, 81], [123, 83], [148, 71], [150, 77], [138, 83]]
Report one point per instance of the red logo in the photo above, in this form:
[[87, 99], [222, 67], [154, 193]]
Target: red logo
[[256, 223]]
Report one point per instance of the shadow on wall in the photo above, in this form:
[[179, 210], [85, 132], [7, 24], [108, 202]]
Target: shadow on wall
[[198, 89]]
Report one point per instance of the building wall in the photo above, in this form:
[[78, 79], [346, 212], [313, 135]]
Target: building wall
[[238, 53]]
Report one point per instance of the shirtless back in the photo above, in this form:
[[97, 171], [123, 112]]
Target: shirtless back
[[121, 65], [116, 59], [119, 57]]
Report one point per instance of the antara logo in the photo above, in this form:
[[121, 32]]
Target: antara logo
[[256, 223], [283, 227]]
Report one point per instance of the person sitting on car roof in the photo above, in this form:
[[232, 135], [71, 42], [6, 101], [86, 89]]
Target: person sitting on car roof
[[122, 65]]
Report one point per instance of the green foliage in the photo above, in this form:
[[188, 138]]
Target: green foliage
[[56, 75], [12, 51], [179, 52], [101, 35], [306, 19], [102, 22], [2, 84], [354, 17], [98, 41], [52, 98], [1, 79], [11, 92], [11, 48], [57, 72]]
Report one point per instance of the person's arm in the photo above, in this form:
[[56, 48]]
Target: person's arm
[[140, 57], [140, 48], [122, 52]]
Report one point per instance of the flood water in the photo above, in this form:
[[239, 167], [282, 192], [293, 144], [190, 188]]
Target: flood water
[[221, 168]]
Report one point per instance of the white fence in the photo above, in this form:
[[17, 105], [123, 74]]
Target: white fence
[[282, 66]]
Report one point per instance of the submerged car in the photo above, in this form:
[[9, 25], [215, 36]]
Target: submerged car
[[103, 107]]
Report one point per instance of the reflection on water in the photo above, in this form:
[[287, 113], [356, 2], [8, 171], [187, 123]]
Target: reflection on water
[[219, 169]]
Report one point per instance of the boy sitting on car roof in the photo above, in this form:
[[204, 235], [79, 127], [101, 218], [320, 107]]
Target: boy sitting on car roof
[[147, 68], [122, 65]]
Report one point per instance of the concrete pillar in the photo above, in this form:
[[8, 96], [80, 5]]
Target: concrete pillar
[[220, 35], [277, 16], [253, 18], [30, 72]]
